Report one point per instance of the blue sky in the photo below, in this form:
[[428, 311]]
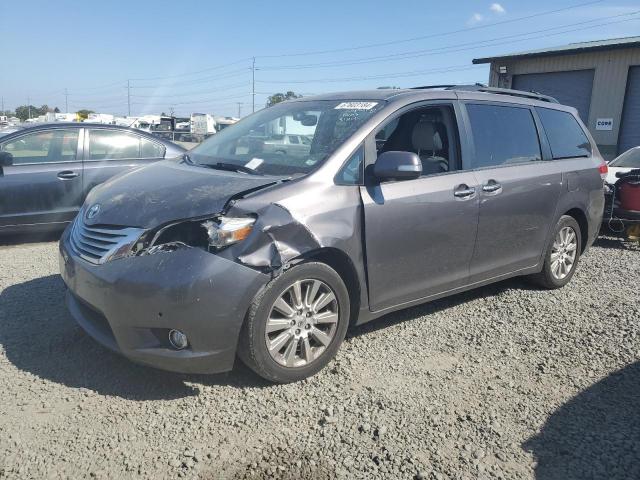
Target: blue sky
[[195, 56]]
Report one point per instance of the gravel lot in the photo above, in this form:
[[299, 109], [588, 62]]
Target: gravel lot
[[503, 382]]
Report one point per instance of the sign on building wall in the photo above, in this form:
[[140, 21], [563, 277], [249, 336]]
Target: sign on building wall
[[604, 124]]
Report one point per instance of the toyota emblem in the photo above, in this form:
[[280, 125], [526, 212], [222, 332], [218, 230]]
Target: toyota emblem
[[93, 211]]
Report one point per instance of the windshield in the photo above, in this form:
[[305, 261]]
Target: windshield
[[629, 159], [286, 139]]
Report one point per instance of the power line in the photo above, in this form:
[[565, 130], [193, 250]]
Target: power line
[[199, 101], [452, 48], [218, 67], [411, 73], [253, 84], [433, 35], [226, 87], [233, 73]]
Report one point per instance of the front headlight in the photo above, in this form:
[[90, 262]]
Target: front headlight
[[211, 234], [225, 231]]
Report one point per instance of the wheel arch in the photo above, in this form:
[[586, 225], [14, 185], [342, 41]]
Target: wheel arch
[[579, 216]]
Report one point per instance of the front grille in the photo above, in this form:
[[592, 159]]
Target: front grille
[[98, 243]]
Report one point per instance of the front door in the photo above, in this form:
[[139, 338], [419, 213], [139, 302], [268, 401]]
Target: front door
[[518, 189], [419, 233], [44, 184]]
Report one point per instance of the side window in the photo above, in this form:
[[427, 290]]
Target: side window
[[293, 139], [44, 147], [566, 137], [503, 135], [431, 132], [352, 171], [113, 145], [150, 149]]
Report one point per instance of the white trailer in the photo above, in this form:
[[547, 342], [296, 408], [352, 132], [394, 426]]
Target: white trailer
[[202, 124]]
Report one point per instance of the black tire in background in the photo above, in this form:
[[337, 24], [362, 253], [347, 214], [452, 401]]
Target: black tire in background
[[547, 278], [252, 348]]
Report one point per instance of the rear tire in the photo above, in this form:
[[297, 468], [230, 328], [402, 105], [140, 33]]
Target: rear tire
[[562, 255], [295, 326]]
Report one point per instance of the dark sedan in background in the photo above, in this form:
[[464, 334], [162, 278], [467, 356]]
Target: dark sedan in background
[[46, 170]]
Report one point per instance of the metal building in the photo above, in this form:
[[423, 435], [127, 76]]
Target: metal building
[[601, 79]]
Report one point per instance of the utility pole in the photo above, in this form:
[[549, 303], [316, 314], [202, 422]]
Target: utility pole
[[66, 101], [128, 98], [2, 105], [239, 109], [29, 105], [253, 84]]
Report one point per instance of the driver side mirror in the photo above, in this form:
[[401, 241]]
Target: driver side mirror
[[397, 166], [6, 159]]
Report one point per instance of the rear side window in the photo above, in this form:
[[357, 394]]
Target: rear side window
[[113, 145], [150, 149], [503, 135], [566, 137]]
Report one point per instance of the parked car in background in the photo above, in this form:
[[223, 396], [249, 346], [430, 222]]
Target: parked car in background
[[623, 163], [288, 144], [403, 196], [47, 170]]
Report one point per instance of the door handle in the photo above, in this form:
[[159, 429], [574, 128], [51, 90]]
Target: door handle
[[67, 174], [463, 191], [491, 186]]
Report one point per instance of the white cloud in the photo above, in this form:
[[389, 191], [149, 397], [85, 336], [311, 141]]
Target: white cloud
[[497, 8], [475, 18]]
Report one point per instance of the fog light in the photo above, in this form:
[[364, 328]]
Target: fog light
[[177, 339]]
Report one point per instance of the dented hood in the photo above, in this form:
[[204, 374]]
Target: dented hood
[[168, 191]]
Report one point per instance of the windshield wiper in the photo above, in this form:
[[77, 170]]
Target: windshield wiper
[[232, 167]]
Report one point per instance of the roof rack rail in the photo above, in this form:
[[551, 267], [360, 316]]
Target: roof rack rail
[[426, 87], [506, 91], [479, 87]]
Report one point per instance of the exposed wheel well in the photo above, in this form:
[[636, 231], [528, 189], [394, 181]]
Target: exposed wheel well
[[341, 263], [581, 218]]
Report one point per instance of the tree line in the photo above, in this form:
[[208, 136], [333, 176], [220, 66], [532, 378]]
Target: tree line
[[24, 112]]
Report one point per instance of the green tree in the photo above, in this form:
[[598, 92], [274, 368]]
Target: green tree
[[22, 112], [84, 113], [281, 97], [56, 110]]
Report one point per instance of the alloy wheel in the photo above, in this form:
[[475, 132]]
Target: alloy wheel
[[563, 252], [302, 323]]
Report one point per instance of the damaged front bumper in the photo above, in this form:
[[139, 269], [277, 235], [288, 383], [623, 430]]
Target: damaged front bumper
[[129, 305]]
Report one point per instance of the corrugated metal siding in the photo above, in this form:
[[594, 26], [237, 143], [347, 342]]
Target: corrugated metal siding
[[630, 127], [570, 88], [609, 82]]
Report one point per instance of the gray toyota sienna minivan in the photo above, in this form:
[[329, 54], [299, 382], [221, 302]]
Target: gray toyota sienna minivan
[[397, 198]]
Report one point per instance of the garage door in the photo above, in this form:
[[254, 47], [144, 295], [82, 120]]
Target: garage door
[[630, 123], [570, 88]]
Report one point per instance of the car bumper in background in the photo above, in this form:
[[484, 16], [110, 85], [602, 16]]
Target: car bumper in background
[[129, 305]]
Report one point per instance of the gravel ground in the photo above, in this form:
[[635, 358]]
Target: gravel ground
[[503, 382]]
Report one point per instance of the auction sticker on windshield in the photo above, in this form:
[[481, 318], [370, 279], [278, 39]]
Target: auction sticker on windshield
[[254, 163], [356, 105]]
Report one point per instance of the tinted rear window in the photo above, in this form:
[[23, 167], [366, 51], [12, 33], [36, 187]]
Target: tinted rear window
[[566, 137], [503, 135]]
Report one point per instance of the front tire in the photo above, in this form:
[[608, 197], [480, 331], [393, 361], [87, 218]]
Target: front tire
[[296, 324], [562, 255]]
